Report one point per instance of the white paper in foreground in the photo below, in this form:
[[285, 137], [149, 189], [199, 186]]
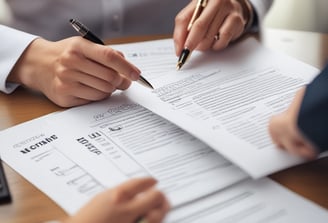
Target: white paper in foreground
[[119, 135], [54, 152], [225, 98], [32, 149], [260, 201]]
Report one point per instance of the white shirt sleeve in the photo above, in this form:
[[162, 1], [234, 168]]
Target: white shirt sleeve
[[12, 45]]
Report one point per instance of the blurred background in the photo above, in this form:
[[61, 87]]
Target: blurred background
[[4, 12], [305, 15], [296, 27]]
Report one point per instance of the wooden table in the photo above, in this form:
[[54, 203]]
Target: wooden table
[[30, 205]]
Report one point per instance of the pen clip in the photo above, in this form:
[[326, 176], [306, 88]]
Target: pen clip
[[79, 27]]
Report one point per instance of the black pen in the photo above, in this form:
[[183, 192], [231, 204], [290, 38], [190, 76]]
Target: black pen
[[87, 34], [186, 52], [4, 189]]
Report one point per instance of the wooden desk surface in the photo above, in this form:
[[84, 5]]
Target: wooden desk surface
[[30, 205]]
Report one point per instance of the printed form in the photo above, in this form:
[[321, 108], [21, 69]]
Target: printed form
[[31, 149], [73, 155], [140, 143], [224, 99]]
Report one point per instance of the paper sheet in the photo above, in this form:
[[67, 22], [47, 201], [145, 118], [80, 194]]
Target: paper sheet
[[225, 98], [119, 134], [35, 155], [31, 149], [261, 201], [73, 155]]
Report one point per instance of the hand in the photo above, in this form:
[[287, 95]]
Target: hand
[[73, 71], [125, 204], [286, 134], [225, 18]]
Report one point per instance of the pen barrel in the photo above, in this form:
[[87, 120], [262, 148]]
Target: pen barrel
[[198, 10], [93, 38]]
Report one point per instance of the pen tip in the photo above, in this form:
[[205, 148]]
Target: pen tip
[[150, 86], [144, 82], [179, 65], [183, 58]]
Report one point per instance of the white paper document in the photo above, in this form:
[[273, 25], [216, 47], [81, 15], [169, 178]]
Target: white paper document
[[31, 149], [118, 135], [43, 151], [224, 99], [260, 201]]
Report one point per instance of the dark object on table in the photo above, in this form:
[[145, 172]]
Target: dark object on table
[[4, 189]]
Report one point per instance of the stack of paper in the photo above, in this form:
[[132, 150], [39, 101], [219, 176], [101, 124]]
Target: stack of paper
[[202, 133]]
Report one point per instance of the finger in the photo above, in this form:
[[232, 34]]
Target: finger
[[110, 58], [203, 22], [95, 84], [304, 148], [63, 90], [281, 133], [307, 152], [215, 14], [221, 12], [98, 71], [291, 145], [150, 199], [158, 214], [292, 141], [119, 52], [125, 84], [90, 93], [99, 84], [181, 24], [133, 187], [275, 130], [72, 95], [68, 101], [230, 30]]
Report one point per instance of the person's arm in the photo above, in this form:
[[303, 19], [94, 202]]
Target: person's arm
[[70, 72], [12, 45], [285, 133], [303, 128], [220, 23], [313, 116]]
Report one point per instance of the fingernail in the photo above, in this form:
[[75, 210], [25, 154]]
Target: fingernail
[[134, 76]]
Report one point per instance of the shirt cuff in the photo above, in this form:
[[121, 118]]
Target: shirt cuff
[[13, 44]]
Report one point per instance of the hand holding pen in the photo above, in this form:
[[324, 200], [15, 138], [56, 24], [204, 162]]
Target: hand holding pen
[[87, 34], [210, 24], [73, 71]]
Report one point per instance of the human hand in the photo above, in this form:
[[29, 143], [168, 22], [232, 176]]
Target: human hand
[[73, 71], [286, 134], [224, 18], [126, 203]]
